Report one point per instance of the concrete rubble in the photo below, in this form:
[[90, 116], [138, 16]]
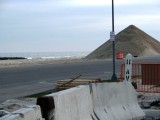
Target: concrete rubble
[[150, 103], [15, 104]]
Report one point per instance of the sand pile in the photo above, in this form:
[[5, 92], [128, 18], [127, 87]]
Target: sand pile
[[130, 40]]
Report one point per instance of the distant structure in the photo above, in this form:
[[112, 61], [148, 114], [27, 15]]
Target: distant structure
[[130, 40]]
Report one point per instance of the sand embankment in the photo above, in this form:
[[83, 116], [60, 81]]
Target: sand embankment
[[34, 62], [130, 40]]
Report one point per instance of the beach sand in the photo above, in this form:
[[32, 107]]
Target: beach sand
[[35, 62]]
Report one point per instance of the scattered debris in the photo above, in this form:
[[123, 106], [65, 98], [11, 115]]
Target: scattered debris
[[3, 113], [150, 103]]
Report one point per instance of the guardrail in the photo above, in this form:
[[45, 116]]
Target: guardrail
[[145, 75]]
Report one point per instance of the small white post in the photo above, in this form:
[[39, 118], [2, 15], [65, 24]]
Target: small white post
[[128, 68]]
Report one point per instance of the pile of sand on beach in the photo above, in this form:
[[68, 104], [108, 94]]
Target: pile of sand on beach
[[130, 40]]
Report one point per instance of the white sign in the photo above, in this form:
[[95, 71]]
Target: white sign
[[128, 67], [112, 36]]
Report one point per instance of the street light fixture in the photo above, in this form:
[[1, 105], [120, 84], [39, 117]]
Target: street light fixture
[[112, 34]]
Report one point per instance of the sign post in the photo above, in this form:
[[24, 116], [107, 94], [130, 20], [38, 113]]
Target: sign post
[[112, 38], [128, 68]]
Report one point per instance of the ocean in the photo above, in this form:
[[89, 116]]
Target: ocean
[[46, 55]]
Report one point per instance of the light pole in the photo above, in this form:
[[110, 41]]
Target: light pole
[[114, 77]]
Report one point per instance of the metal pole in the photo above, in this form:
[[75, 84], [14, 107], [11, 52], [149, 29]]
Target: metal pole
[[114, 77]]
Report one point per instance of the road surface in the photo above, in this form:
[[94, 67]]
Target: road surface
[[22, 81]]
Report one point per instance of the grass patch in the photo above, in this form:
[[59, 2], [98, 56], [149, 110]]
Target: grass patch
[[157, 85], [42, 93], [136, 76], [103, 81]]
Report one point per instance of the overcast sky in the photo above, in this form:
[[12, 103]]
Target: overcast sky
[[70, 25]]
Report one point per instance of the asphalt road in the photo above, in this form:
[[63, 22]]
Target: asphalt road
[[22, 81]]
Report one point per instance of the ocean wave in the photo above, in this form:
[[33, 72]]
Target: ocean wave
[[46, 55], [58, 57], [29, 58]]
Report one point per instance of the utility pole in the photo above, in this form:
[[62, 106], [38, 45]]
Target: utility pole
[[112, 34]]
